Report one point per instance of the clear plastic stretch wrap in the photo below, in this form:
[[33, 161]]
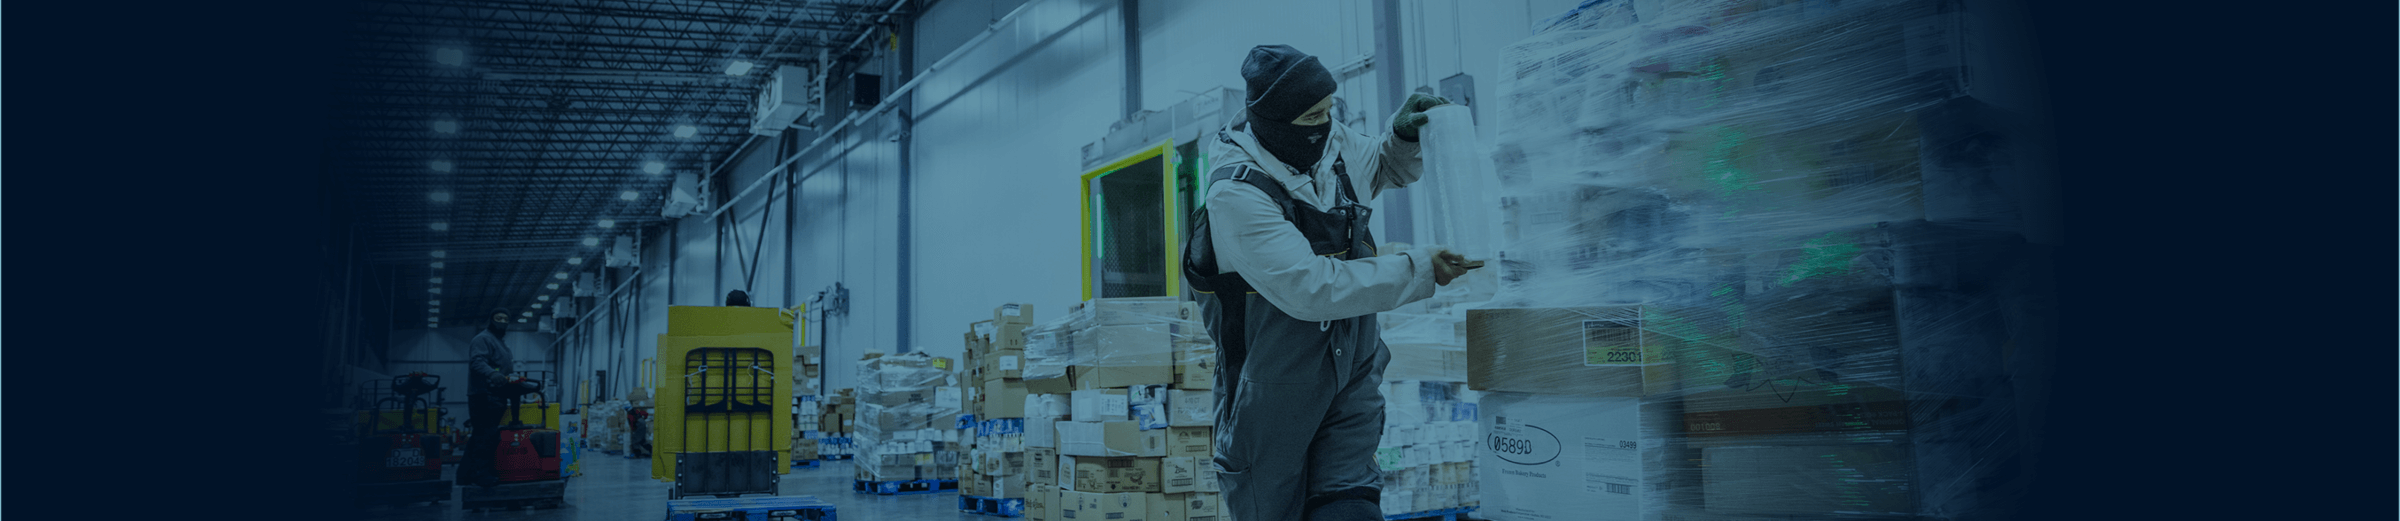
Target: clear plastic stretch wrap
[[1759, 260], [1119, 342], [608, 428], [907, 416]]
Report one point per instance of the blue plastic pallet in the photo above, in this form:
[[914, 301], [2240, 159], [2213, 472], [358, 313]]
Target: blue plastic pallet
[[1447, 514], [807, 463], [992, 506], [903, 488], [786, 508], [831, 457]]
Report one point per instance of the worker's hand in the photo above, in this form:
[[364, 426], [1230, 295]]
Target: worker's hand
[[1412, 115], [1449, 266]]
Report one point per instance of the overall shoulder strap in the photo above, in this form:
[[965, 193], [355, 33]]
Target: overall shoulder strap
[[1250, 174]]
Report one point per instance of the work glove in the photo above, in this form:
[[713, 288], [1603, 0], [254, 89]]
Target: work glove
[[1449, 266], [1412, 115]]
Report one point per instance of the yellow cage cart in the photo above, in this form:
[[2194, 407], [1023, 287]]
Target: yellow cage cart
[[722, 427]]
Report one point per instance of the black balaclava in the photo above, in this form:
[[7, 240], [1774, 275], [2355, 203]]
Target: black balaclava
[[1283, 84], [737, 298], [498, 329]]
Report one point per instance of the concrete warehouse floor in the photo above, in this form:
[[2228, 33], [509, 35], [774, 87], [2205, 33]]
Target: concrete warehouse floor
[[615, 488]]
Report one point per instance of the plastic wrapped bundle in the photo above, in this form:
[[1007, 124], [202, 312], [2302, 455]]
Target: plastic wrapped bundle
[[1760, 260], [907, 412]]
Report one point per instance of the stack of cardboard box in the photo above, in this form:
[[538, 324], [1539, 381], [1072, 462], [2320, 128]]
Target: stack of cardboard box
[[995, 386], [1428, 449], [908, 411], [1119, 425]]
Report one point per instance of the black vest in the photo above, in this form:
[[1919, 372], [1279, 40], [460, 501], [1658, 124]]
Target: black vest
[[1232, 310]]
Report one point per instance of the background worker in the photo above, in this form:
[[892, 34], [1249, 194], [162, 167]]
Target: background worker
[[489, 386]]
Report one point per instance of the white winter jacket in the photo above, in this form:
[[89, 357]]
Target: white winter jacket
[[1252, 238]]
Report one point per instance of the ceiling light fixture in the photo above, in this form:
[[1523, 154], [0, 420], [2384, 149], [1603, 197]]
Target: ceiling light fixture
[[574, 260], [686, 131], [608, 223], [450, 56], [528, 313], [543, 298], [436, 291], [439, 197], [436, 280], [562, 275], [552, 285], [591, 241], [630, 195], [440, 254], [437, 265], [537, 305], [654, 167], [739, 67], [441, 227], [442, 166], [446, 127]]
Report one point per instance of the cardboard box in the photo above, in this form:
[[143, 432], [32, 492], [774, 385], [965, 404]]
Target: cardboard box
[[1013, 313], [1009, 486], [1041, 432], [1147, 405], [1547, 457], [1208, 506], [1195, 366], [1110, 474], [1188, 408], [995, 463], [1118, 377], [1184, 474], [1195, 442], [1165, 506], [1041, 465], [1095, 405], [1004, 363], [1003, 399], [1058, 406], [1063, 383], [1040, 502], [1007, 337], [1092, 506], [1602, 351], [1116, 438]]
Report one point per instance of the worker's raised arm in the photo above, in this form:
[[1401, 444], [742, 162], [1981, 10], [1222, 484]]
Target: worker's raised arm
[[1398, 157], [1251, 237]]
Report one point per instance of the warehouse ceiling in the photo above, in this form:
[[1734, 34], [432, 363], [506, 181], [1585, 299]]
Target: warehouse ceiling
[[485, 144]]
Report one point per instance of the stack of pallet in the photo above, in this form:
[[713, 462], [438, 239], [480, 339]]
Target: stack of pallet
[[1119, 425], [908, 408]]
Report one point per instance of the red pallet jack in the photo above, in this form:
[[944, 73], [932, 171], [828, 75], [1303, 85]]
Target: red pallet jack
[[527, 460], [402, 463]]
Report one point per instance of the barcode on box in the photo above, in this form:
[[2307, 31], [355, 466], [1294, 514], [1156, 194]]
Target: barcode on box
[[1616, 488], [1180, 482]]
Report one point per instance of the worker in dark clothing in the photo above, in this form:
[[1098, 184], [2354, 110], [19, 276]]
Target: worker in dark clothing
[[738, 299], [489, 387], [1294, 289]]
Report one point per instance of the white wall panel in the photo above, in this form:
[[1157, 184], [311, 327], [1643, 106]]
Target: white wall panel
[[998, 154]]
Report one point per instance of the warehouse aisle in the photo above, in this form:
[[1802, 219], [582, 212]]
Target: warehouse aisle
[[619, 489]]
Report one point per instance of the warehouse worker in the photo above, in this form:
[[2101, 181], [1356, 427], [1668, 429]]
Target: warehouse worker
[[738, 299], [489, 387], [1294, 290]]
